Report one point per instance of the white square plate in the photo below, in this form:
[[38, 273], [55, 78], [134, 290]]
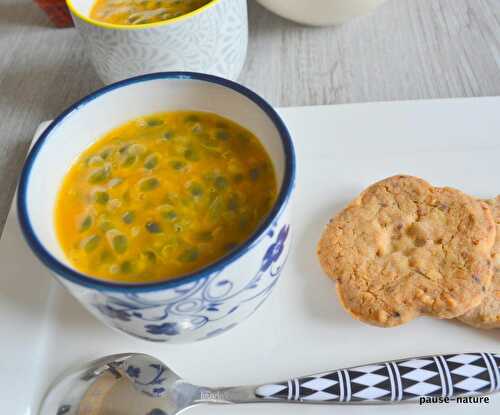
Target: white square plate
[[301, 329]]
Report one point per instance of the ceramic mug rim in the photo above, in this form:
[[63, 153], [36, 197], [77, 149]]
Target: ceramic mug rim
[[81, 279], [111, 26]]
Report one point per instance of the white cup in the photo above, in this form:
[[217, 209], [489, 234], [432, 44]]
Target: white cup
[[192, 307], [320, 12], [212, 39]]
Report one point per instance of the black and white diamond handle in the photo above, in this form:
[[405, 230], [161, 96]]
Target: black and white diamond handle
[[431, 376]]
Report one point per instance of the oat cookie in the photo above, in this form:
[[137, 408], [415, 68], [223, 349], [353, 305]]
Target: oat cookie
[[404, 248], [487, 314]]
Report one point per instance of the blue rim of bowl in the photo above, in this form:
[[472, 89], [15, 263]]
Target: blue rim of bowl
[[87, 281]]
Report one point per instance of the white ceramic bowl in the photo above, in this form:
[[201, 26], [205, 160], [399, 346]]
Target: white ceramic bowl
[[320, 12], [188, 308], [212, 39]]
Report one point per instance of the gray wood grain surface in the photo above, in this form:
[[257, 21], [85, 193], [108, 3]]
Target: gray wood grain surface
[[407, 49]]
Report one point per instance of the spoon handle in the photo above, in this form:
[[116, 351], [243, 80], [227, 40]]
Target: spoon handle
[[444, 376]]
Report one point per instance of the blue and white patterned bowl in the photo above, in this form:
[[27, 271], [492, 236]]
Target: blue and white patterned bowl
[[212, 39], [195, 306]]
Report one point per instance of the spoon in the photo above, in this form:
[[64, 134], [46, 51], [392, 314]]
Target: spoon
[[161, 391]]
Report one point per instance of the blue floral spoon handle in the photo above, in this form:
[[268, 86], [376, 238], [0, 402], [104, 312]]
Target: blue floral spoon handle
[[432, 376]]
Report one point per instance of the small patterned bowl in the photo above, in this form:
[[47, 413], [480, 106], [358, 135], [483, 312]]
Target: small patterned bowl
[[195, 306], [212, 39]]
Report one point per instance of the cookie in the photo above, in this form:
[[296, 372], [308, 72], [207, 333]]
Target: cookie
[[487, 314], [404, 248]]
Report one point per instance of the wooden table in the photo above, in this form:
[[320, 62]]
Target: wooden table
[[408, 49]]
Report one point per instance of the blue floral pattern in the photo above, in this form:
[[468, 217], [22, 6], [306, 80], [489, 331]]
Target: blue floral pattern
[[151, 378], [215, 303], [133, 372], [170, 329], [274, 252], [112, 312]]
